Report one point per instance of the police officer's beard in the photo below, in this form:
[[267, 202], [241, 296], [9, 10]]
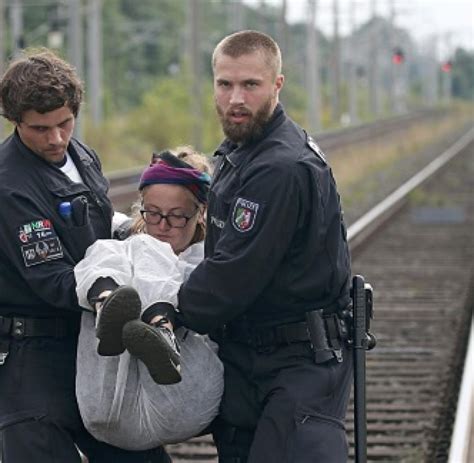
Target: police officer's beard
[[249, 131]]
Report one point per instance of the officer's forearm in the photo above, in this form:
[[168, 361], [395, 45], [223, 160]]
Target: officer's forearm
[[202, 310]]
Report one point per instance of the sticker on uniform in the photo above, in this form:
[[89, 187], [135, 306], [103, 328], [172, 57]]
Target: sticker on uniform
[[244, 215], [36, 230], [41, 251], [39, 242]]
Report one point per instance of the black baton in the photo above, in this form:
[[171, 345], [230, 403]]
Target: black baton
[[362, 340]]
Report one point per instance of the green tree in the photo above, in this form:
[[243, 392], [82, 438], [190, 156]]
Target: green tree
[[142, 41], [162, 119]]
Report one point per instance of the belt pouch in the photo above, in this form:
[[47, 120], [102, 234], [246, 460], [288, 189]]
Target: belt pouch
[[317, 333]]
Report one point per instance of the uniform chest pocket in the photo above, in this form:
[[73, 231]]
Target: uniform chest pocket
[[74, 226]]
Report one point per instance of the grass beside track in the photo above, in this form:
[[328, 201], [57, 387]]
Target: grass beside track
[[369, 171]]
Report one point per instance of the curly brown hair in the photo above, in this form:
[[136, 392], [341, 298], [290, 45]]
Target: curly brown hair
[[39, 81]]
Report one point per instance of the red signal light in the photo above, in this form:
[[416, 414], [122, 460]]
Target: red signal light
[[447, 66], [398, 57]]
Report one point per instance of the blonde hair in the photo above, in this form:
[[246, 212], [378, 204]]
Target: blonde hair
[[195, 159], [199, 161]]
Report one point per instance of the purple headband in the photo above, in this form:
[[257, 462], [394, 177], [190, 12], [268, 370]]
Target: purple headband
[[168, 169]]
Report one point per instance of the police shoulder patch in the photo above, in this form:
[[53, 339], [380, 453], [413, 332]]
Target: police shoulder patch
[[39, 242], [317, 150], [244, 214]]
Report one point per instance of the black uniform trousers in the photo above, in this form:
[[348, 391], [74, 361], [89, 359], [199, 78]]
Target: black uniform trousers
[[39, 416], [280, 406]]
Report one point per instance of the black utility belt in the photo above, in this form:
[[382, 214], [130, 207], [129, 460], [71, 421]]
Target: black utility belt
[[269, 335], [23, 327], [323, 331]]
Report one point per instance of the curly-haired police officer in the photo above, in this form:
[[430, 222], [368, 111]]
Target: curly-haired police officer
[[276, 274], [54, 204]]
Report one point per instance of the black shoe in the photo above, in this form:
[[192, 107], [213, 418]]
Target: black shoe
[[118, 308], [156, 346]]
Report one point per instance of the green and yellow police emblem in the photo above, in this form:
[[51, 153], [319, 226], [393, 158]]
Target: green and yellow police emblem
[[244, 215]]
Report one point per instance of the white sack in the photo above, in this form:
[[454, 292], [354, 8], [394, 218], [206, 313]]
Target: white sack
[[119, 402]]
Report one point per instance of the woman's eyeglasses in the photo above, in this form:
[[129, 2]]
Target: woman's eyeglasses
[[173, 220]]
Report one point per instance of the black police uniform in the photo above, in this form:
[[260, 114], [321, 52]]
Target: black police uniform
[[39, 312], [275, 249]]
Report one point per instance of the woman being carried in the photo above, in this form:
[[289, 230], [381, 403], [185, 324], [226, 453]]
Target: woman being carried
[[122, 353]]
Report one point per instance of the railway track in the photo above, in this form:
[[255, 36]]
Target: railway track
[[417, 250], [368, 132]]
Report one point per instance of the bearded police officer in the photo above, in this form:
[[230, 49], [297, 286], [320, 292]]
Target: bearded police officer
[[276, 275], [53, 206]]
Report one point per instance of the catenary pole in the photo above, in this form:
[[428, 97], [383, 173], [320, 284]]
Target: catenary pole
[[75, 48], [373, 63], [353, 112], [195, 74], [94, 57], [235, 16], [336, 68], [312, 70], [16, 26]]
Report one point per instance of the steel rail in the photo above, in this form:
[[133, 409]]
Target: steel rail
[[362, 228], [463, 432], [338, 138]]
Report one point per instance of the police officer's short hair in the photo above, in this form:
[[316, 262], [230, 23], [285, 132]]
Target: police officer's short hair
[[247, 42], [40, 81]]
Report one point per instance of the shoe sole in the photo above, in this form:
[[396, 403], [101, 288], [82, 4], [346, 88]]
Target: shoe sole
[[146, 344], [122, 306]]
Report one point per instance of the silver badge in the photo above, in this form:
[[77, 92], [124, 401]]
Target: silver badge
[[314, 147]]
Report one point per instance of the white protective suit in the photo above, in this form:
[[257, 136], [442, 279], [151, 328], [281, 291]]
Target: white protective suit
[[119, 402]]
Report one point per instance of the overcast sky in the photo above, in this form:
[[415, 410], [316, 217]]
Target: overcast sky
[[451, 21]]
